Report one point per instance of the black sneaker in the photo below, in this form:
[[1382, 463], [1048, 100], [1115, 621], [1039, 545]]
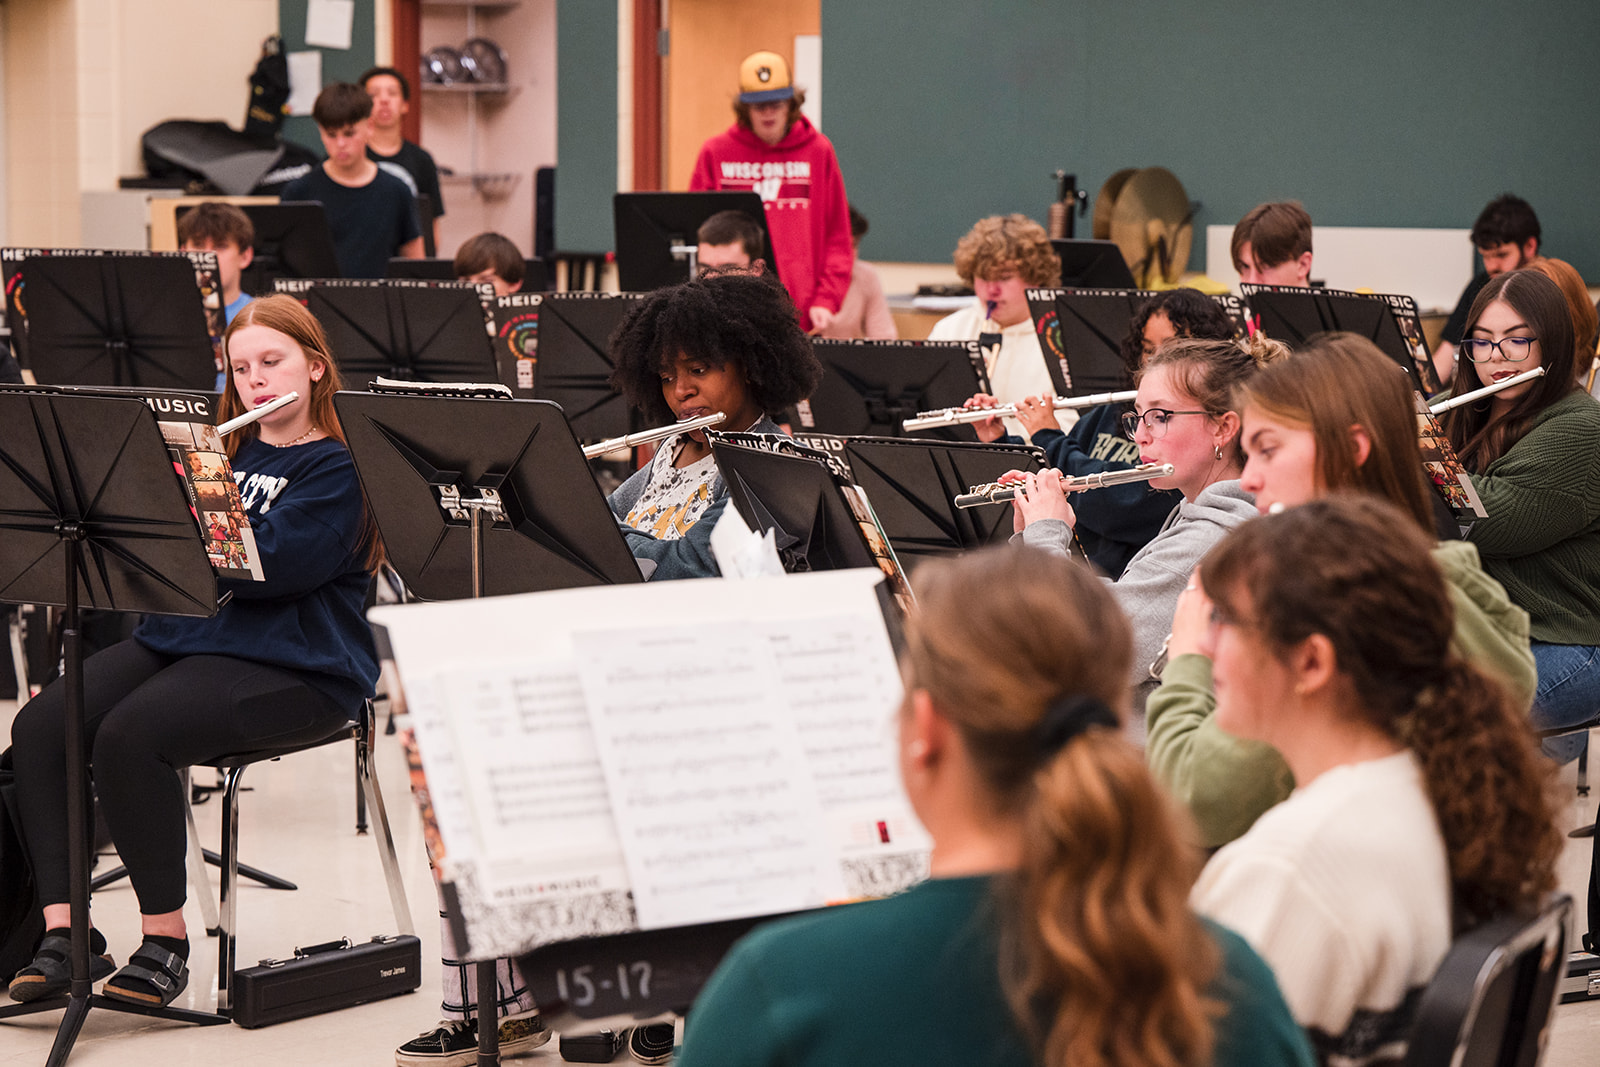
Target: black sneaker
[[652, 1044], [454, 1042]]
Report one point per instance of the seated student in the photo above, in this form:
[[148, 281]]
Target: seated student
[[1531, 452], [1054, 927], [1185, 416], [492, 258], [388, 147], [1585, 316], [865, 311], [1506, 235], [1336, 417], [227, 231], [727, 343], [1002, 257], [730, 242], [286, 660], [1421, 809], [1272, 245], [1116, 522], [371, 213]]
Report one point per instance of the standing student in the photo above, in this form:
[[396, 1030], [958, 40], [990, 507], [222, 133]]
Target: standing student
[[1506, 236], [492, 258], [1054, 928], [1531, 452], [1421, 808], [227, 231], [725, 343], [371, 213], [285, 661], [865, 311], [1185, 415], [391, 101], [773, 150], [1337, 417], [1002, 257], [1272, 245]]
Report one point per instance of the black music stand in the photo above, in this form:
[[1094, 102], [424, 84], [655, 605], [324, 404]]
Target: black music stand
[[656, 234], [1092, 264], [568, 337], [912, 483], [535, 276], [292, 241], [1294, 315], [409, 332], [1084, 328], [796, 498], [871, 387], [91, 514], [117, 320]]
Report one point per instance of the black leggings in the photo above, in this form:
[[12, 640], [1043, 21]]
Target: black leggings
[[146, 716]]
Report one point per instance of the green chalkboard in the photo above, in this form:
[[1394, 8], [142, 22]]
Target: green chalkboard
[[338, 64]]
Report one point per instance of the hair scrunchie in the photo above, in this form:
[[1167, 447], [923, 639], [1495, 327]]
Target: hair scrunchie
[[1068, 716]]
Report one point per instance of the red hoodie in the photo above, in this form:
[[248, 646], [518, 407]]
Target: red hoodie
[[798, 180]]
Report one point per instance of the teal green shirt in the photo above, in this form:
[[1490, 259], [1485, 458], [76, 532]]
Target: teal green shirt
[[914, 980]]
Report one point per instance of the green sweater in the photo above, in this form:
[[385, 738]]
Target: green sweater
[[914, 980], [1226, 782], [1541, 539]]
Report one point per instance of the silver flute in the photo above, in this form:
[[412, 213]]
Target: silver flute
[[995, 493], [660, 433], [929, 420], [1505, 383]]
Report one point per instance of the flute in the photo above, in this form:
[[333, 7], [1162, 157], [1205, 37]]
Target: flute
[[644, 437], [251, 416], [1505, 383], [995, 493], [928, 420]]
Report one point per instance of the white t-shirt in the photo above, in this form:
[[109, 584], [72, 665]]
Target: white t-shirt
[[1019, 371], [1344, 889], [675, 497]]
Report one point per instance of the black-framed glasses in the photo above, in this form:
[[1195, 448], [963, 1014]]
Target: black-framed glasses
[[1155, 420], [1511, 349]]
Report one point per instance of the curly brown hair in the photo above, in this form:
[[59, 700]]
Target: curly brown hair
[[1353, 569], [1102, 960], [1000, 244]]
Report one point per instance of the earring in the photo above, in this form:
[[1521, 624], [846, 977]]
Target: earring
[[1218, 450]]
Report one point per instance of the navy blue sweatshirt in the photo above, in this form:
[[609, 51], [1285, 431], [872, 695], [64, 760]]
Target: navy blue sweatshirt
[[305, 506], [1114, 523]]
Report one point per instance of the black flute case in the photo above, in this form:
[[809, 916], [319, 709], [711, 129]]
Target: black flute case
[[326, 977]]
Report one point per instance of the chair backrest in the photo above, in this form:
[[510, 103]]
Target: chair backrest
[[1489, 1002]]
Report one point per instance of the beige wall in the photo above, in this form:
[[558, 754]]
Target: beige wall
[[84, 78]]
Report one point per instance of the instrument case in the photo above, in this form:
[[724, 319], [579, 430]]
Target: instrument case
[[1582, 979], [324, 978]]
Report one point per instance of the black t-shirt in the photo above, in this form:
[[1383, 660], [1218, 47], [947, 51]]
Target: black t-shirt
[[417, 162], [369, 222], [1457, 325]]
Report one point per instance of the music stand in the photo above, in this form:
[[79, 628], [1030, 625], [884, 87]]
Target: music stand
[[871, 387], [1294, 315], [1092, 264], [557, 346], [117, 320], [1081, 333], [292, 241], [535, 277], [92, 515], [656, 234], [796, 498], [912, 483], [407, 332]]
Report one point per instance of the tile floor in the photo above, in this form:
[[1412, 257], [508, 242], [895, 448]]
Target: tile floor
[[298, 821]]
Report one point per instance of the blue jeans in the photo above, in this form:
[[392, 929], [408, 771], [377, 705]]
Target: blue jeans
[[1568, 694]]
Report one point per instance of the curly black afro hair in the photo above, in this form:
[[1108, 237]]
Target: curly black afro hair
[[1192, 314], [722, 319]]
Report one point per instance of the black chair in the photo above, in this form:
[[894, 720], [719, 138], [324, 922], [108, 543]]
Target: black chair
[[1489, 1002], [1583, 763]]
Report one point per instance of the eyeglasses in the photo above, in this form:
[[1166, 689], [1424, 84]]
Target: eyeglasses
[[1155, 420], [1511, 349]]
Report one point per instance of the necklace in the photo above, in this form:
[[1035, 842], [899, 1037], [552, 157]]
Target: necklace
[[297, 440]]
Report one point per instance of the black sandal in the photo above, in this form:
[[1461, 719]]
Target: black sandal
[[50, 973], [153, 977]]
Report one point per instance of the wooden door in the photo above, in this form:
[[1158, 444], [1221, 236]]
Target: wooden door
[[708, 39]]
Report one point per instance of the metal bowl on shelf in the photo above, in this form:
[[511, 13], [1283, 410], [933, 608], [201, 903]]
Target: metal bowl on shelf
[[484, 61], [443, 66]]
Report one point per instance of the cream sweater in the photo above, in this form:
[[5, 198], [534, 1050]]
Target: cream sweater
[[1344, 889], [1019, 371]]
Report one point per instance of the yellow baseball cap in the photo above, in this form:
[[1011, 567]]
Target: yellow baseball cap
[[763, 77]]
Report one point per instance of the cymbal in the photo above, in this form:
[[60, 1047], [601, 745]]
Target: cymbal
[[1153, 223], [1100, 221]]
